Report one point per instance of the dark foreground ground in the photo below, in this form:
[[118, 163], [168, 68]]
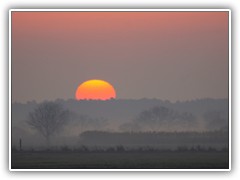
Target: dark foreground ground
[[120, 160]]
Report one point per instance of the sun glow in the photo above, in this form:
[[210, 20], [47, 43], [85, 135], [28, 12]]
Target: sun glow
[[95, 90]]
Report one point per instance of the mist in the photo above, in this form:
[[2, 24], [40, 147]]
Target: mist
[[122, 116]]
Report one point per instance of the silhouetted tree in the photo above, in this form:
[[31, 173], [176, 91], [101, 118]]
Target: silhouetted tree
[[159, 117], [48, 118], [154, 118]]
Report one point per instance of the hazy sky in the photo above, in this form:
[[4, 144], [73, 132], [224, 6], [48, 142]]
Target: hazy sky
[[165, 55]]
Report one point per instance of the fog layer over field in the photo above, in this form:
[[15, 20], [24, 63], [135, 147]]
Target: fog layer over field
[[118, 118]]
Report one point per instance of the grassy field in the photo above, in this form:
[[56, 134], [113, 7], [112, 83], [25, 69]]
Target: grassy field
[[120, 160]]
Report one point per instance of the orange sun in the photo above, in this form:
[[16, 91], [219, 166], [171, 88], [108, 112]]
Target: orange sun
[[95, 90]]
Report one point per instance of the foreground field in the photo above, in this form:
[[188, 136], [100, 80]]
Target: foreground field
[[120, 160]]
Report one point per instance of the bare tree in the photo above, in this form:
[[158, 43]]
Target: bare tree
[[157, 118], [48, 118], [154, 118]]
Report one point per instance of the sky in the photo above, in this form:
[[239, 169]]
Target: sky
[[165, 55]]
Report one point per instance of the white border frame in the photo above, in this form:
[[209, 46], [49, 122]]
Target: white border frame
[[122, 10]]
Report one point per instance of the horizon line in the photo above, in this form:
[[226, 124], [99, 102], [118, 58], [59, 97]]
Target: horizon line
[[118, 99]]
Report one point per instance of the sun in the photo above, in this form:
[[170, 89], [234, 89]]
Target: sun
[[95, 89]]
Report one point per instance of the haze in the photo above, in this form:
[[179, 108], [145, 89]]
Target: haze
[[164, 55]]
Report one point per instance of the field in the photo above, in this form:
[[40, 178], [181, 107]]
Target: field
[[120, 160]]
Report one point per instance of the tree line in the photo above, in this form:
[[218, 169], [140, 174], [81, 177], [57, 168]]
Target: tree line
[[49, 118]]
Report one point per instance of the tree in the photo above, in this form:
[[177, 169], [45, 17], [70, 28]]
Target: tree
[[157, 118], [48, 118]]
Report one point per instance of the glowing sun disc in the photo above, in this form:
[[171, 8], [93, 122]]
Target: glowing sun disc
[[95, 90]]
